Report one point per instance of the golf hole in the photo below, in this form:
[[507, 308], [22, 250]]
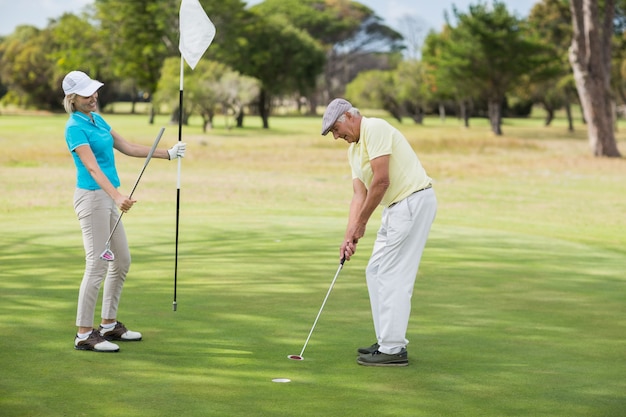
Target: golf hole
[[296, 357], [281, 380]]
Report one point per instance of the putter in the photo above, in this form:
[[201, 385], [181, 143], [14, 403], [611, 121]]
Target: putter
[[107, 254], [300, 357]]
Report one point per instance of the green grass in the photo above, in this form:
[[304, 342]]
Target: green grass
[[518, 307]]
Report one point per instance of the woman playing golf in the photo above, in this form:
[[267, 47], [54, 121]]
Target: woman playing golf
[[96, 201]]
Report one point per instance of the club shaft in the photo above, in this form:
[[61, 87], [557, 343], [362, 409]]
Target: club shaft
[[148, 158], [332, 284], [154, 146]]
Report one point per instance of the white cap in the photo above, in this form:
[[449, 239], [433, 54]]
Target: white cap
[[77, 82]]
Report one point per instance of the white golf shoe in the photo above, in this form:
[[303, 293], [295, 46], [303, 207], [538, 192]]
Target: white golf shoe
[[120, 332], [96, 343]]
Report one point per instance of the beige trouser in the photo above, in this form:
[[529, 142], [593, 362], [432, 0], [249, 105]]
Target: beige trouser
[[393, 266], [97, 214]]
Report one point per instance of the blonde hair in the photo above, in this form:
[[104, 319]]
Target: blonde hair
[[68, 103]]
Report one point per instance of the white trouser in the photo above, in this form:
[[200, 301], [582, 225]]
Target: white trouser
[[97, 214], [392, 268]]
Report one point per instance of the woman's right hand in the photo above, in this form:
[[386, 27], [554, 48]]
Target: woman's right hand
[[124, 203]]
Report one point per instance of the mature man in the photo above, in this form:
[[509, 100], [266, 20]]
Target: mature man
[[385, 171]]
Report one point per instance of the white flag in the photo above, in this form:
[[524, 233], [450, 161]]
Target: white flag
[[196, 31]]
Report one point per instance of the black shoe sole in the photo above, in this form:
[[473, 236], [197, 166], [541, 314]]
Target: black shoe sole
[[395, 363], [115, 339], [95, 350]]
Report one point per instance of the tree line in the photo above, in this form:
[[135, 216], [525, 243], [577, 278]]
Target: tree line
[[485, 61]]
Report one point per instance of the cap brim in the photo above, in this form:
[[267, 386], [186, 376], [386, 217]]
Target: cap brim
[[327, 128], [91, 88], [333, 112]]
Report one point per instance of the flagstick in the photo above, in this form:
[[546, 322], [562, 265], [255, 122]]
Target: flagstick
[[196, 34], [180, 138]]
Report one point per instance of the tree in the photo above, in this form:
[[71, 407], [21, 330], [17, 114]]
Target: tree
[[618, 75], [552, 21], [412, 89], [493, 50], [285, 59], [443, 83], [27, 69], [352, 35], [590, 56], [375, 89], [413, 30], [403, 91], [134, 33], [77, 45], [207, 88], [237, 91]]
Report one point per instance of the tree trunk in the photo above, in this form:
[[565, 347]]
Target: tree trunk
[[312, 99], [549, 116], [596, 105], [264, 108], [175, 117], [418, 117], [392, 106], [135, 94], [570, 120], [464, 113], [240, 117], [205, 124], [495, 116], [590, 57]]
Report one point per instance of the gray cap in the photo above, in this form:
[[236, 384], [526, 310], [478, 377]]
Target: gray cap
[[336, 108]]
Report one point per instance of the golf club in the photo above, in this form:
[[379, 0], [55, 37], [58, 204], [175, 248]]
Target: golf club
[[107, 254], [300, 357]]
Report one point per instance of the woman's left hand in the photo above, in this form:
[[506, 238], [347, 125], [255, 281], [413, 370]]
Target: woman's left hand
[[177, 151]]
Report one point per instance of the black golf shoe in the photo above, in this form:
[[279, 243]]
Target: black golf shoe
[[368, 350], [379, 358]]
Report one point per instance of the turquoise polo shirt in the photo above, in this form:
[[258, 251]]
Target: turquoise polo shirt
[[80, 131]]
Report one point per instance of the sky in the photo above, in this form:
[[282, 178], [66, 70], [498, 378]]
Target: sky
[[430, 12]]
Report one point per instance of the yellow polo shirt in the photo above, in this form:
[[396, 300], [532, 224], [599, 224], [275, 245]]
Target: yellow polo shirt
[[378, 138]]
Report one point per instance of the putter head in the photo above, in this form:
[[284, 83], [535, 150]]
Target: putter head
[[107, 255]]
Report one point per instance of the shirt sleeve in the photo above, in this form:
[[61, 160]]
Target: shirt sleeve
[[75, 137], [378, 139]]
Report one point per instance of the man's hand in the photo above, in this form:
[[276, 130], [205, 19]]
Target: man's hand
[[347, 250], [355, 232]]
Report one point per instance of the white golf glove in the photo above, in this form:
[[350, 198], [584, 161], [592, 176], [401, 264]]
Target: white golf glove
[[177, 151]]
